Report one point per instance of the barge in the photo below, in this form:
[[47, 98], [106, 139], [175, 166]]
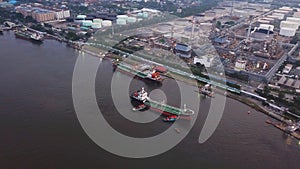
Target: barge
[[143, 71], [35, 37], [142, 96]]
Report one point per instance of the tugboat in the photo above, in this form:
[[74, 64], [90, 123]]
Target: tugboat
[[139, 107], [171, 118], [142, 96], [206, 90], [36, 37]]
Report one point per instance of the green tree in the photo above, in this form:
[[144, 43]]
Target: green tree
[[219, 25], [281, 95], [266, 91]]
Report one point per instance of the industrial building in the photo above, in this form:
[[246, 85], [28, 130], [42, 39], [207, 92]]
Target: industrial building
[[42, 13]]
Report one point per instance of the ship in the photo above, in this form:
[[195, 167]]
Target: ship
[[142, 96], [171, 118], [35, 37], [206, 90], [143, 71]]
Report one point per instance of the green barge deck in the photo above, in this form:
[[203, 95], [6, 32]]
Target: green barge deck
[[167, 108], [131, 70]]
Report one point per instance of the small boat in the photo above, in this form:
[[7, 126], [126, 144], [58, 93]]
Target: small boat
[[268, 121], [172, 118], [177, 130], [139, 107]]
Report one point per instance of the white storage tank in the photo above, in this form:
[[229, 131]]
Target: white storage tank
[[145, 14], [266, 27], [279, 15], [96, 25], [106, 23], [281, 11], [240, 65], [240, 13], [140, 14], [81, 16], [270, 19], [87, 23], [121, 21], [292, 19], [131, 19], [263, 21], [122, 16], [285, 8], [288, 24], [297, 14], [287, 32], [97, 20]]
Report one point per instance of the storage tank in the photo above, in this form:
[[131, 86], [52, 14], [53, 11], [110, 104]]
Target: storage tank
[[288, 24], [281, 11], [106, 23], [121, 21], [266, 27], [270, 19], [122, 17], [293, 19], [263, 21], [139, 19], [210, 14], [87, 23], [240, 65], [285, 8], [97, 20], [297, 14], [131, 19], [145, 14], [96, 25], [279, 15], [140, 14], [287, 32], [81, 16], [240, 13]]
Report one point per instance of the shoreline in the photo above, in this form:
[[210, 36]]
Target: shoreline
[[242, 99]]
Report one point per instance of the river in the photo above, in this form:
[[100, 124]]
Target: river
[[39, 127]]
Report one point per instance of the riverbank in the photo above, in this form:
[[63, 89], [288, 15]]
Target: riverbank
[[255, 104]]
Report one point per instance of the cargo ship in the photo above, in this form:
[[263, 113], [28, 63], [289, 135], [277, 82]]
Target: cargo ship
[[143, 71], [142, 96], [35, 37]]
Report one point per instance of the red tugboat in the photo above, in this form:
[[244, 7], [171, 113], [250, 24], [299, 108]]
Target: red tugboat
[[171, 118], [139, 107]]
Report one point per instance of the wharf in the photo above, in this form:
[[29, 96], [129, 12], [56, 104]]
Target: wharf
[[284, 128]]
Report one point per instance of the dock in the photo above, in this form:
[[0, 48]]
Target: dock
[[288, 129]]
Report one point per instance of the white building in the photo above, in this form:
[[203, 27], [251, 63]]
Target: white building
[[62, 14]]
